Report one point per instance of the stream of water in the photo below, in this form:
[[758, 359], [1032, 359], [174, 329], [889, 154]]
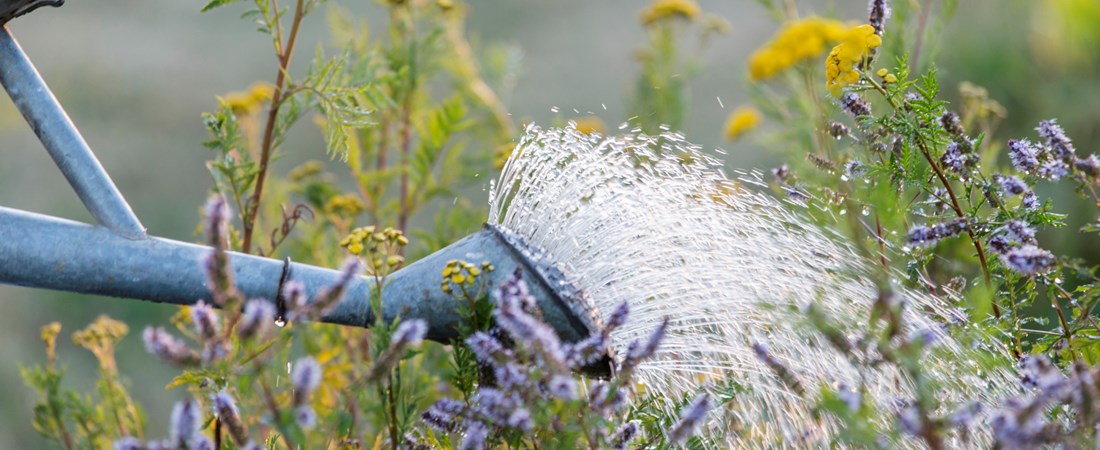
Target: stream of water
[[655, 222]]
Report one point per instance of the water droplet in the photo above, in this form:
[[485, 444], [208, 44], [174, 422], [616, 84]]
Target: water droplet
[[554, 109], [865, 211], [844, 178], [280, 322], [843, 212]]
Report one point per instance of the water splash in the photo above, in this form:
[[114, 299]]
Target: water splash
[[655, 222]]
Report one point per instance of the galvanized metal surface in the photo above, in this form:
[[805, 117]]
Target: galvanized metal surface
[[10, 9], [46, 252], [64, 143]]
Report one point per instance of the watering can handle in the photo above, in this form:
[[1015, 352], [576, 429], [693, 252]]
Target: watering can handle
[[10, 9]]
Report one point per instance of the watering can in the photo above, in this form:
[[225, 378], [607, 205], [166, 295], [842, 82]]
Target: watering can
[[116, 257]]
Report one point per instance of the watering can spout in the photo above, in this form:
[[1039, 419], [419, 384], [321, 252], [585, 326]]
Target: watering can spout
[[46, 252]]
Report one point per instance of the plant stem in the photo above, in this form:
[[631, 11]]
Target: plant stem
[[285, 53], [959, 212]]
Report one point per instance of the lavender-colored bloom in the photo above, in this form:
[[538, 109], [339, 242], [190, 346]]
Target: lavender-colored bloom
[[837, 130], [603, 399], [216, 211], [909, 420], [408, 335], [168, 348], [927, 235], [306, 377], [214, 350], [509, 375], [330, 296], [226, 411], [795, 194], [1020, 231], [1089, 166], [965, 416], [1038, 373], [955, 158], [527, 331], [1000, 244], [305, 416], [204, 319], [637, 351], [1053, 170], [626, 433], [257, 315], [1028, 260], [693, 416], [851, 397], [185, 422], [877, 13], [438, 419], [486, 348], [1030, 201], [854, 105], [476, 435], [951, 124], [1023, 154], [928, 337], [202, 443], [563, 387], [854, 169], [617, 317], [1060, 145], [587, 351], [520, 419], [781, 370], [1011, 185], [129, 443]]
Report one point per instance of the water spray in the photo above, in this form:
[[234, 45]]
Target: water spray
[[654, 221]]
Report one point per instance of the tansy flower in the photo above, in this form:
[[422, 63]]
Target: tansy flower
[[250, 100], [740, 121], [797, 41], [590, 124], [840, 65], [663, 9]]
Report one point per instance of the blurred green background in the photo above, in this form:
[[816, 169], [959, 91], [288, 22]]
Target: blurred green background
[[135, 76]]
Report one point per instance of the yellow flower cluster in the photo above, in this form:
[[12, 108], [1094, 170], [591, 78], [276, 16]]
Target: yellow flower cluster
[[797, 41], [458, 273], [250, 100], [886, 76], [667, 9], [306, 170], [344, 205], [840, 66], [590, 124], [740, 121], [378, 248], [501, 155], [100, 338]]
